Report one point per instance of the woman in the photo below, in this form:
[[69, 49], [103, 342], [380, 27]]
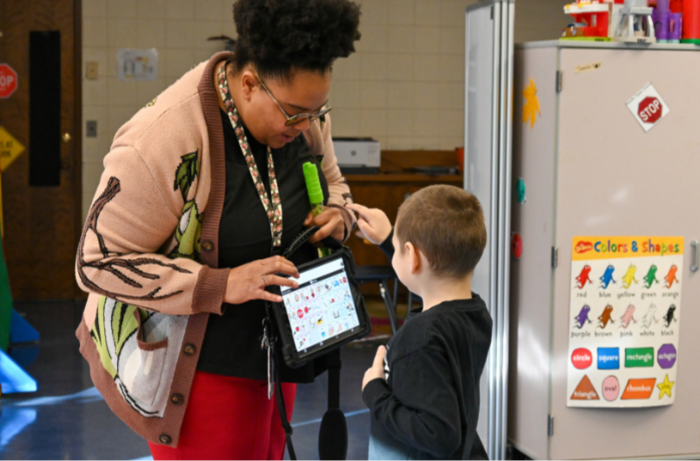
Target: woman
[[201, 189]]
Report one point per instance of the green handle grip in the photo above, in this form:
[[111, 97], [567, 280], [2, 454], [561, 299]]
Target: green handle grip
[[313, 187]]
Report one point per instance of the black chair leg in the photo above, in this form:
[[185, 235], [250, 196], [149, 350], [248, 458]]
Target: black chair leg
[[391, 310]]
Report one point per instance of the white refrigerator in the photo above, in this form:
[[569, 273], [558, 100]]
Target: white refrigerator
[[603, 358]]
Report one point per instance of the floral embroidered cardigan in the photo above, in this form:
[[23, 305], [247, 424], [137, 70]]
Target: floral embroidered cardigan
[[148, 251]]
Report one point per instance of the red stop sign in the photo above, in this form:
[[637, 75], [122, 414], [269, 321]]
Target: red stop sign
[[8, 81], [650, 109]]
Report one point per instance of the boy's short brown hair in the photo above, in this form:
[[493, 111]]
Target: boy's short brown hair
[[446, 224]]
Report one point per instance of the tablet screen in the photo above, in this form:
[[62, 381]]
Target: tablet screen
[[321, 309]]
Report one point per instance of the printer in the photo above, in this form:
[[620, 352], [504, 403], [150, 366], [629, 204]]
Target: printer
[[357, 155]]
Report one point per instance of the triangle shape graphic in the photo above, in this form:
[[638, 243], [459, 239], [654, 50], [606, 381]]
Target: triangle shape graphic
[[585, 390]]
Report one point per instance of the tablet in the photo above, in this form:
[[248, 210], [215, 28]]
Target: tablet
[[324, 312]]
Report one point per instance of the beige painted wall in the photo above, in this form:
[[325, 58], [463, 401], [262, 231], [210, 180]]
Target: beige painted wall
[[404, 86]]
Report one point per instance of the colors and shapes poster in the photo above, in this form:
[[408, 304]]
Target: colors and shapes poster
[[624, 321]]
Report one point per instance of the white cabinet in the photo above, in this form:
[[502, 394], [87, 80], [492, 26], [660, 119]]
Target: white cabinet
[[589, 168]]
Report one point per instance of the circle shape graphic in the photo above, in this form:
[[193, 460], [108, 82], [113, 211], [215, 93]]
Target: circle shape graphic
[[582, 358]]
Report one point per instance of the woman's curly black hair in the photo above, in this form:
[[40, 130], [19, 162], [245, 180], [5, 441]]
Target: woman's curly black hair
[[277, 36]]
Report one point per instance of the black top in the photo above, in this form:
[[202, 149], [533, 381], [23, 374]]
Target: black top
[[232, 341], [429, 405]]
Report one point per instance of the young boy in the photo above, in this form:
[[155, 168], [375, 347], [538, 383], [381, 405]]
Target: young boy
[[423, 389]]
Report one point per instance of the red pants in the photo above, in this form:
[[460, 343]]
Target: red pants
[[230, 418]]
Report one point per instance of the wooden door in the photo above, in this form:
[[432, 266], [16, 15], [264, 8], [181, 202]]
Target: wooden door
[[42, 221]]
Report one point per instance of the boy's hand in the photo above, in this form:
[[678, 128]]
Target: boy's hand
[[373, 223], [377, 368]]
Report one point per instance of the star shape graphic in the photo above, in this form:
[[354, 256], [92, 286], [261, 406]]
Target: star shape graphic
[[665, 387]]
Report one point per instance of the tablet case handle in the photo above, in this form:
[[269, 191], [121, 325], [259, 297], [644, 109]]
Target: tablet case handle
[[304, 236]]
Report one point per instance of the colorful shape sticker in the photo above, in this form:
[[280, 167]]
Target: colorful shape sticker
[[608, 358], [520, 190], [665, 387], [611, 388], [666, 356], [585, 390], [516, 246], [638, 389], [639, 357], [582, 358], [532, 104]]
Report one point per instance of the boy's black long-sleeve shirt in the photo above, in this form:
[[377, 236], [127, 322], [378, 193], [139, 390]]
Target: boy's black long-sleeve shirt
[[428, 406]]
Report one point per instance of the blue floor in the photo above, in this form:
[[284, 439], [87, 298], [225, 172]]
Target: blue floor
[[68, 419]]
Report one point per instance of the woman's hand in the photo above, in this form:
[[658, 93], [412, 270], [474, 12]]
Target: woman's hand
[[330, 222], [377, 368], [373, 223], [246, 282]]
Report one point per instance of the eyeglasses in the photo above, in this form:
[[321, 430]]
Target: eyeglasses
[[297, 118]]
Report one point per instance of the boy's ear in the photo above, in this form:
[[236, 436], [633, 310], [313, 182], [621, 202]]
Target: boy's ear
[[414, 258]]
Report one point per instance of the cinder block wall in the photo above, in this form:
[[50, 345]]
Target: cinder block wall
[[404, 86]]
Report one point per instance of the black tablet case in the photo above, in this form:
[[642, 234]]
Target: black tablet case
[[289, 353]]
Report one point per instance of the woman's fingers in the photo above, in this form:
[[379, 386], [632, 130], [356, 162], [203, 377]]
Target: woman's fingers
[[280, 281], [320, 234], [246, 282], [267, 296], [309, 219], [278, 264], [335, 229], [331, 223]]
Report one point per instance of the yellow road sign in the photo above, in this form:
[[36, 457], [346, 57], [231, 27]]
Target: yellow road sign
[[10, 149]]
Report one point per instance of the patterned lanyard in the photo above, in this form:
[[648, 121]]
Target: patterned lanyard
[[274, 207]]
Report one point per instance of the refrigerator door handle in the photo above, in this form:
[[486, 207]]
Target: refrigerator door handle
[[696, 256]]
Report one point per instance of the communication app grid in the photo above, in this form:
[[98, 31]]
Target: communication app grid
[[322, 307]]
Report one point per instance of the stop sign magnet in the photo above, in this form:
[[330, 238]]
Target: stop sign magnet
[[648, 107]]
